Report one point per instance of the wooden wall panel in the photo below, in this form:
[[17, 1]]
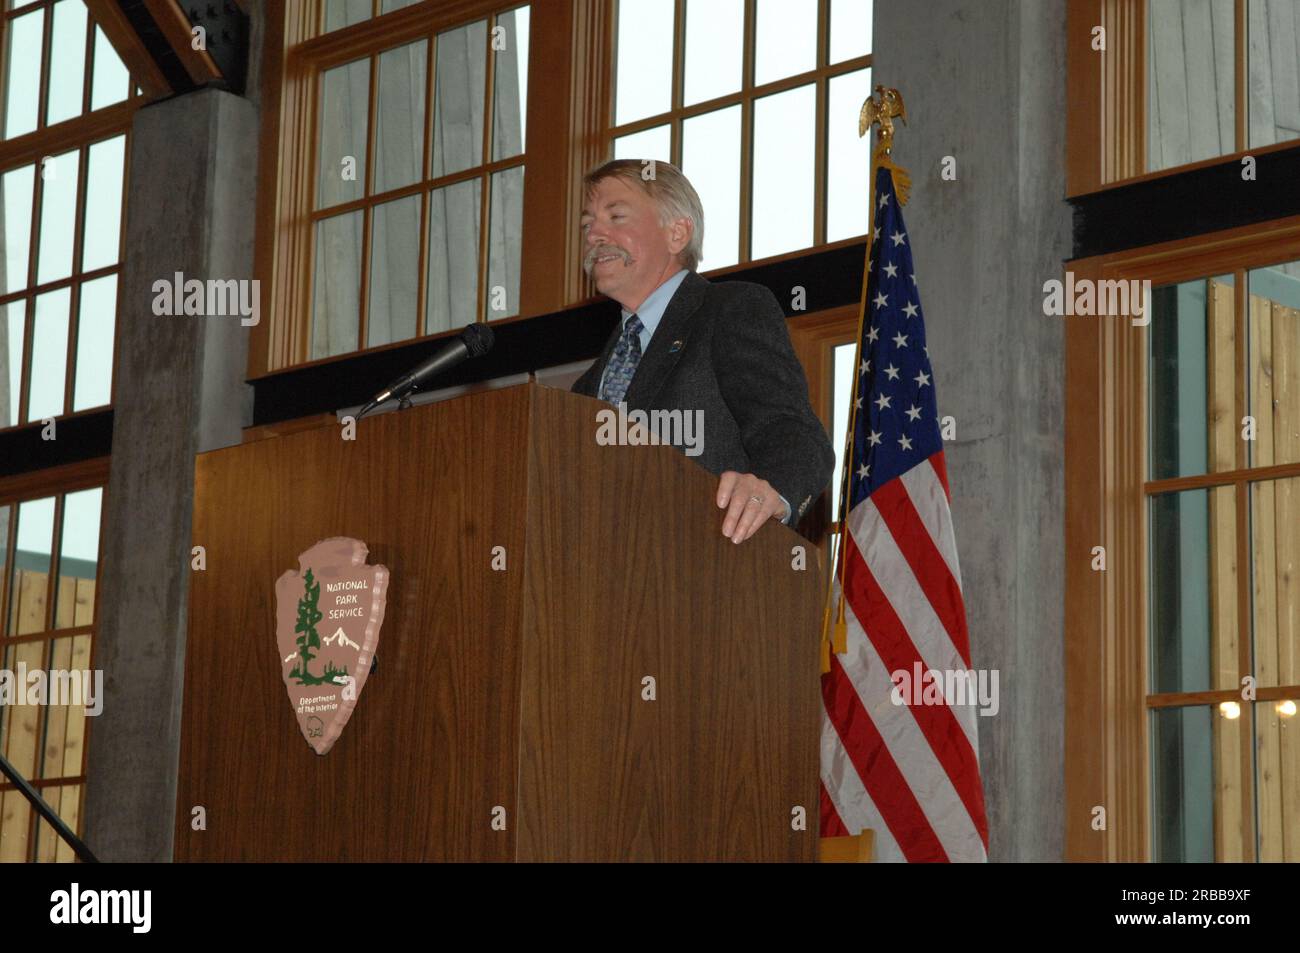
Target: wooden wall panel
[[1275, 518], [1232, 785], [1285, 424], [15, 819]]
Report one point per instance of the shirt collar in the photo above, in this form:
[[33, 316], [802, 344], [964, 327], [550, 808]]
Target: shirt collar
[[652, 309]]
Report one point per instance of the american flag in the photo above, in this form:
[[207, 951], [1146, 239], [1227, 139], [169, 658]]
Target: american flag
[[909, 772]]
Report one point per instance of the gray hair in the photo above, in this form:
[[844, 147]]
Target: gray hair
[[671, 191]]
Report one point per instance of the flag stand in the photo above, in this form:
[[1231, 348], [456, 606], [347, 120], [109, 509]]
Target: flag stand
[[850, 849]]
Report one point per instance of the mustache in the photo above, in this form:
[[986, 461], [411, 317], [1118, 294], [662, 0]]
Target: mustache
[[589, 261]]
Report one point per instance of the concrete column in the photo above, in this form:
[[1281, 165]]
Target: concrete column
[[984, 83], [180, 391]]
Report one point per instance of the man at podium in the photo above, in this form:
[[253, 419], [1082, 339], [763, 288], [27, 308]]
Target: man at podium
[[720, 349]]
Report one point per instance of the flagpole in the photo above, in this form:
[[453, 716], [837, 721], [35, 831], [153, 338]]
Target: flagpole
[[880, 113]]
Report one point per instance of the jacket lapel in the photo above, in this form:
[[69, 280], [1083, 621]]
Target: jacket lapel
[[660, 358]]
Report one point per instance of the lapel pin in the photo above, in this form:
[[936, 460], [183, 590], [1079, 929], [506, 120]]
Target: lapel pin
[[675, 347]]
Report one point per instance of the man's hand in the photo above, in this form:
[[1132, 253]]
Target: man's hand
[[749, 501]]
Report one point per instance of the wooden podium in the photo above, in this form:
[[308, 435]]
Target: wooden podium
[[519, 693]]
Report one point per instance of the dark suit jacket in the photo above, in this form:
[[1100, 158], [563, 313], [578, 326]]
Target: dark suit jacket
[[722, 347]]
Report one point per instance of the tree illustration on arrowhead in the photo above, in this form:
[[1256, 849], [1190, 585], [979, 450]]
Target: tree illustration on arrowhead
[[308, 639]]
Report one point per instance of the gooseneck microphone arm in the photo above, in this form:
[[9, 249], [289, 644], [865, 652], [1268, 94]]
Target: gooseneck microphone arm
[[474, 341]]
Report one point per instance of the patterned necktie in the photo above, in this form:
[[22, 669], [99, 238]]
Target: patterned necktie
[[623, 362]]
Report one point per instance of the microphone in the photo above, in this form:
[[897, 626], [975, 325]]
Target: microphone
[[474, 341]]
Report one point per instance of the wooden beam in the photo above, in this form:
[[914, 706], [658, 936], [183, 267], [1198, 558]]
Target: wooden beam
[[176, 27], [144, 71], [62, 479], [1105, 664], [1106, 113]]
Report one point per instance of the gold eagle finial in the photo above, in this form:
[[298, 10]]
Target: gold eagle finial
[[883, 112]]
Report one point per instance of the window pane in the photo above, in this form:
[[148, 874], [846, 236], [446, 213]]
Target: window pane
[[16, 206], [336, 289], [111, 82], [1194, 632], [341, 13], [1187, 748], [1190, 95], [711, 160], [459, 89], [96, 320], [6, 514], [1277, 773], [1275, 564], [714, 38], [12, 333], [15, 812], [785, 135], [832, 564], [510, 85], [344, 102], [453, 256], [785, 42], [49, 355], [31, 567], [58, 216], [1192, 383], [63, 735], [505, 237], [848, 157], [850, 29], [653, 143], [67, 61], [23, 75], [1274, 58], [74, 747], [399, 119], [1273, 348], [103, 215], [20, 746], [842, 397], [394, 271], [65, 799], [388, 6], [643, 83], [74, 604]]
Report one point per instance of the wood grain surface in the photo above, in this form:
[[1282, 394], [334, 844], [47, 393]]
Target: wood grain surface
[[518, 690]]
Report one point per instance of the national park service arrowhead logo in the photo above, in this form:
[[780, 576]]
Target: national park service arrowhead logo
[[328, 616]]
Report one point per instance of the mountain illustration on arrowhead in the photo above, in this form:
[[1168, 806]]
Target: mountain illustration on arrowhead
[[342, 639]]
